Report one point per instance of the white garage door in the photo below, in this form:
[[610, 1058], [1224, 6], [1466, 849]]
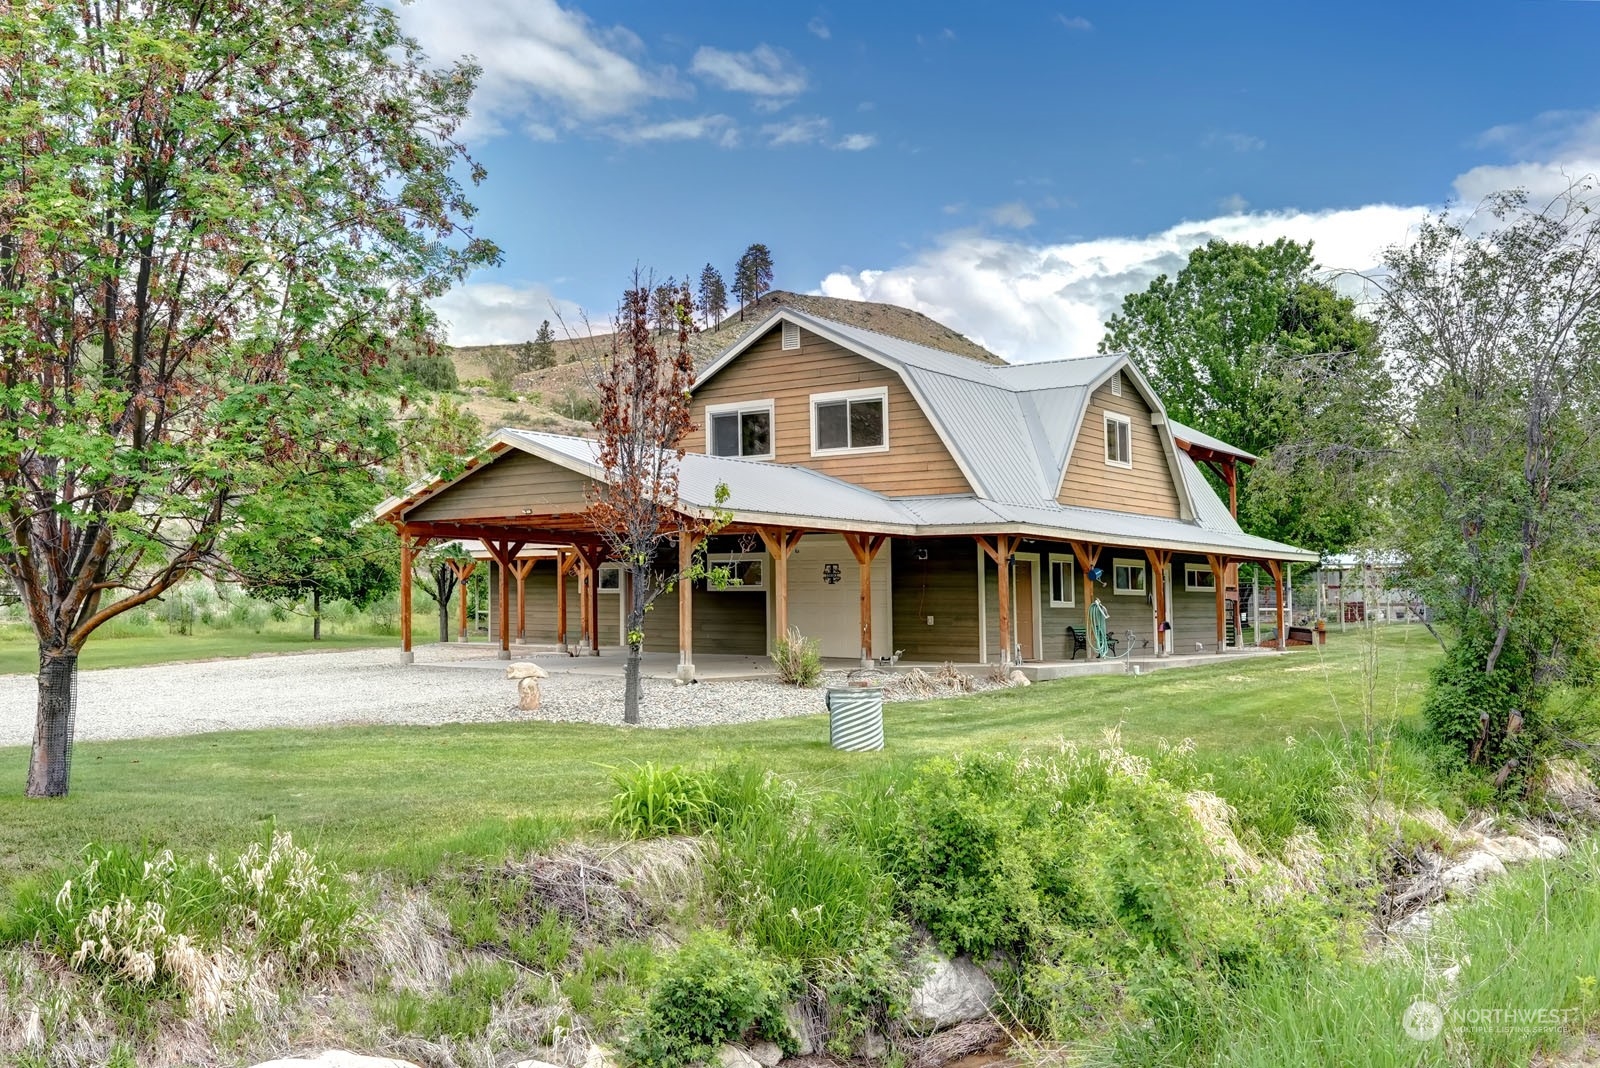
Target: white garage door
[[825, 596]]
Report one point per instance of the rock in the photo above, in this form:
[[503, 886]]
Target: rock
[[734, 1057], [524, 670], [528, 696], [598, 1057], [873, 1046], [800, 1030], [1512, 850], [1017, 678], [1550, 846], [766, 1054], [337, 1058], [952, 992], [535, 1064], [1474, 869]]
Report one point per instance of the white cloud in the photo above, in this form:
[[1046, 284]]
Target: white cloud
[[819, 28], [1238, 142], [1031, 301], [763, 71], [800, 130], [493, 313], [1014, 215], [1233, 204], [856, 142], [718, 129], [1075, 22], [544, 66], [1546, 155]]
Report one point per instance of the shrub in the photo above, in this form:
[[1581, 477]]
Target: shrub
[[435, 371], [712, 991], [798, 659], [654, 801]]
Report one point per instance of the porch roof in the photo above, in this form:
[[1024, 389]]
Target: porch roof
[[761, 493]]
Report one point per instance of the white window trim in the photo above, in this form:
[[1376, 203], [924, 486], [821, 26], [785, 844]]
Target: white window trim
[[1118, 417], [723, 559], [1188, 582], [1118, 561], [1071, 583], [739, 408], [878, 393], [610, 569]]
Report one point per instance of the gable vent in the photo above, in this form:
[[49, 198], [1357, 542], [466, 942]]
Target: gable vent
[[1116, 383], [791, 337]]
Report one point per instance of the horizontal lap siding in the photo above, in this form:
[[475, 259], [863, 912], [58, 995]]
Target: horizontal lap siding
[[539, 606], [1194, 615], [1147, 488], [917, 461], [944, 586], [515, 484]]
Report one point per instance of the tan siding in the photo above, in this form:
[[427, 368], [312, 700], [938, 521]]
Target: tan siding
[[1194, 615], [539, 600], [944, 586], [514, 484], [917, 461], [1147, 488]]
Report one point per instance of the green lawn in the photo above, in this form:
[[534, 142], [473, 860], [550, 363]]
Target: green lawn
[[405, 796], [19, 654]]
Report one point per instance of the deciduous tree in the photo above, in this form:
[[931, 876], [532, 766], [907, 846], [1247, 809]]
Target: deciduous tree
[[215, 219], [1493, 320]]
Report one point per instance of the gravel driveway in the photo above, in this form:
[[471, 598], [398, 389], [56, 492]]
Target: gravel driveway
[[370, 686]]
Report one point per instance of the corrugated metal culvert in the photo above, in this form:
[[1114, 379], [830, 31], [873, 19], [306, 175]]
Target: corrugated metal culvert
[[855, 718]]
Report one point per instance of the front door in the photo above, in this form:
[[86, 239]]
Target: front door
[[1023, 599]]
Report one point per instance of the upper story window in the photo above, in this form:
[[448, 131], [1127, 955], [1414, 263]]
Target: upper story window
[[1119, 440], [851, 421], [743, 429]]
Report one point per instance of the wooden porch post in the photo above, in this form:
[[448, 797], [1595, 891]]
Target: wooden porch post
[[504, 553], [1159, 559], [519, 570], [1219, 574], [1000, 551], [687, 543], [463, 571], [865, 547], [583, 602], [1088, 554], [406, 655], [565, 559], [594, 606], [1276, 570], [780, 543]]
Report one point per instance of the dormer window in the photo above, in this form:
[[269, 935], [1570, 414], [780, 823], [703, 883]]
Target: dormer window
[[1119, 440], [851, 421], [743, 429]]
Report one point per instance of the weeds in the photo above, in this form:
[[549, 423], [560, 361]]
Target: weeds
[[798, 659]]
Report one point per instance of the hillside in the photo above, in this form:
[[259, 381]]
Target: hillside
[[549, 399]]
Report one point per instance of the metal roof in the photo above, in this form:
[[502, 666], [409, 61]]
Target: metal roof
[[1200, 437]]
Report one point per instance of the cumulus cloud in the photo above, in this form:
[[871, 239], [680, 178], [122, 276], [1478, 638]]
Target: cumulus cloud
[[1014, 215], [763, 71], [544, 66], [720, 130], [856, 142], [800, 130], [1545, 156], [1031, 301], [819, 28], [494, 313]]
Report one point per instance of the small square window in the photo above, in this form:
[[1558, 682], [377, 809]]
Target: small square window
[[746, 573], [1119, 440], [611, 579], [1128, 577]]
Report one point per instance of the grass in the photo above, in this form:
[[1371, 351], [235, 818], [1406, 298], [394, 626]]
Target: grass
[[20, 655], [404, 798]]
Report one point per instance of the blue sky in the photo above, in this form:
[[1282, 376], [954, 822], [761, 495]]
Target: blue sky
[[1012, 169]]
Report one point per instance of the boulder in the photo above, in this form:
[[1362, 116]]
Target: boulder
[[734, 1057], [1550, 846], [1512, 850], [528, 696], [1474, 869], [524, 670], [598, 1057], [336, 1058], [952, 992], [766, 1054], [1017, 678], [872, 1046], [799, 1023]]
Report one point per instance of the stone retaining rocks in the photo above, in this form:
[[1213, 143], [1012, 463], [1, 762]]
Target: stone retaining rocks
[[337, 1058], [952, 992]]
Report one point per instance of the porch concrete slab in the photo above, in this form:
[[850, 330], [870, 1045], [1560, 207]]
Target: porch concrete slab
[[1135, 665], [481, 656]]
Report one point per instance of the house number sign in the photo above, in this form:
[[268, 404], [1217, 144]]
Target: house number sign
[[831, 574]]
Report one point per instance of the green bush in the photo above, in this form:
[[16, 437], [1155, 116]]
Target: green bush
[[1460, 694], [712, 991], [798, 659], [652, 801], [435, 371]]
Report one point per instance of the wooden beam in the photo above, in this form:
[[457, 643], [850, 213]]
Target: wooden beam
[[1219, 574], [405, 593], [1231, 476], [865, 547], [1087, 553], [1276, 570], [780, 544], [504, 554], [688, 542], [463, 570], [519, 571], [1159, 559], [565, 559]]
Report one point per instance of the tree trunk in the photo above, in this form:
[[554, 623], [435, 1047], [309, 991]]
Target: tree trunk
[[630, 686], [51, 766], [631, 694], [316, 615]]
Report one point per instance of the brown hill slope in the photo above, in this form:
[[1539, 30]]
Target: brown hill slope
[[549, 397]]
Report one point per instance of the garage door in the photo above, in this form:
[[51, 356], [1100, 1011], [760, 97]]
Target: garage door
[[825, 596]]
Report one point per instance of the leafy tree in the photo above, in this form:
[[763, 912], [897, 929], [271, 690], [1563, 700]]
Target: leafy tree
[[501, 364], [1246, 344], [431, 370], [713, 296], [1493, 321], [437, 579], [215, 220], [644, 415], [307, 539], [752, 276]]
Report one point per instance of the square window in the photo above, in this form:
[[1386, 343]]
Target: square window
[[1119, 440], [1063, 581], [854, 422], [747, 573], [725, 434], [755, 433], [611, 579], [1128, 577], [740, 430]]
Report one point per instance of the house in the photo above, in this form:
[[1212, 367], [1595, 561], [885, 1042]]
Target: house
[[887, 497]]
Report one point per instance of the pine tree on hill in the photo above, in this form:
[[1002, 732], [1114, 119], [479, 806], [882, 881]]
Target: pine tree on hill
[[713, 296], [752, 276]]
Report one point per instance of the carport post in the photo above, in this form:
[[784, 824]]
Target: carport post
[[1087, 554], [780, 543], [865, 547], [406, 655], [687, 542]]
